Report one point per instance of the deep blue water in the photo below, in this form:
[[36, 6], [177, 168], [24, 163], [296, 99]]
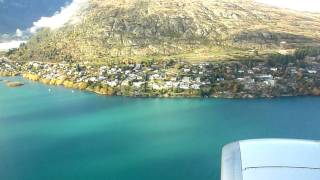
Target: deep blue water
[[65, 135]]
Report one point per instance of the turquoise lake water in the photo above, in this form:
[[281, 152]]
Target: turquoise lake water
[[65, 135]]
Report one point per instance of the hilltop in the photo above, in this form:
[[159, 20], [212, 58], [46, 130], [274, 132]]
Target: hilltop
[[192, 30]]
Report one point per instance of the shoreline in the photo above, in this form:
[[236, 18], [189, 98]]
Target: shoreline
[[45, 82], [177, 79]]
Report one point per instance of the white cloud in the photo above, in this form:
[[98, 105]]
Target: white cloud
[[10, 45], [19, 33], [300, 5], [60, 18]]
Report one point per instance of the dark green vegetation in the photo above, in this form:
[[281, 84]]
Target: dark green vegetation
[[190, 30], [296, 57]]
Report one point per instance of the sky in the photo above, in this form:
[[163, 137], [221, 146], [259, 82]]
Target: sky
[[22, 13], [300, 5], [9, 45], [61, 17]]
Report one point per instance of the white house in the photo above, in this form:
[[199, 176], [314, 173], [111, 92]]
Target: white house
[[137, 84], [195, 86], [156, 86], [168, 84], [186, 70], [274, 69], [93, 79], [184, 85], [186, 79], [113, 83], [312, 71], [270, 82]]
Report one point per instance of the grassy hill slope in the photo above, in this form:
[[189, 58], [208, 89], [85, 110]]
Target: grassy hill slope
[[193, 30]]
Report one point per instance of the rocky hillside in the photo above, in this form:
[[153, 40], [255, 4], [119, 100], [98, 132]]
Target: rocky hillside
[[194, 30]]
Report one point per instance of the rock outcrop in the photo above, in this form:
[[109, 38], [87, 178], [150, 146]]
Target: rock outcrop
[[14, 84]]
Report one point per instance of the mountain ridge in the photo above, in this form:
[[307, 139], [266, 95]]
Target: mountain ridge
[[188, 30]]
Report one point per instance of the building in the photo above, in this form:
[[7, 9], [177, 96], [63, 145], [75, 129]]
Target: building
[[271, 159]]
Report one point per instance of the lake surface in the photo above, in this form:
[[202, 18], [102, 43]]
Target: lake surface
[[60, 134]]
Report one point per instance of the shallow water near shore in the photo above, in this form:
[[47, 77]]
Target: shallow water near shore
[[49, 132]]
